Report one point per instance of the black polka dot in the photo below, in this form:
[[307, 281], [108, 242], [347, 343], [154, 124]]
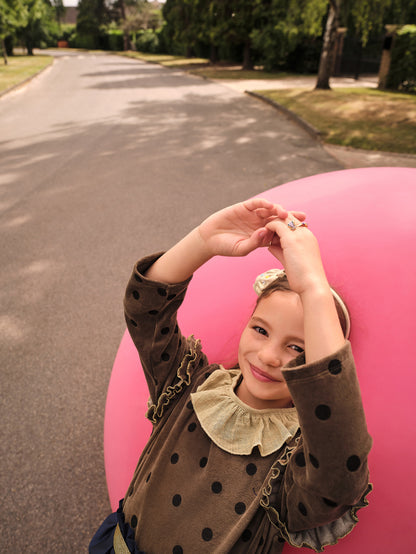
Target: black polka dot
[[207, 534], [192, 427], [138, 278], [330, 503], [300, 459], [133, 521], [177, 549], [148, 477], [335, 367], [323, 412], [153, 312], [162, 292], [171, 296], [203, 462], [136, 294], [216, 487], [133, 322], [165, 330], [174, 458], [251, 469], [313, 461], [240, 508], [302, 509], [246, 536], [165, 356], [190, 405], [353, 463], [176, 500]]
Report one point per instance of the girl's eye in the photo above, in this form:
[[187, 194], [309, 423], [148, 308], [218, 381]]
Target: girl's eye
[[260, 330], [297, 348]]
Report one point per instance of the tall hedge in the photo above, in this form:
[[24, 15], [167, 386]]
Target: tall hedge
[[402, 73]]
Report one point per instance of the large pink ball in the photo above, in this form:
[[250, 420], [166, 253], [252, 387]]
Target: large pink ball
[[364, 221]]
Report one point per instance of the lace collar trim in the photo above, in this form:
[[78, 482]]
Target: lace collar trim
[[235, 427]]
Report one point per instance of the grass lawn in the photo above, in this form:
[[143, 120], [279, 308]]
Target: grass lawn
[[20, 68], [203, 67], [358, 117], [233, 72], [166, 59]]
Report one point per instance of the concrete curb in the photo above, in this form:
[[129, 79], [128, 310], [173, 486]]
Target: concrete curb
[[27, 80], [309, 128]]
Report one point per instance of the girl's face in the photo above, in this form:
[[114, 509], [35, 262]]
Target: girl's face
[[273, 336]]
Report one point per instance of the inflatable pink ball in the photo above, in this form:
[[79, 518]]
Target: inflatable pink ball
[[364, 221]]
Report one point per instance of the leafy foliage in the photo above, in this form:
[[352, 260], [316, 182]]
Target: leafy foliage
[[402, 74], [39, 26]]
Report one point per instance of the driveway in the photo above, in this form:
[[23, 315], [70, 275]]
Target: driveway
[[102, 160]]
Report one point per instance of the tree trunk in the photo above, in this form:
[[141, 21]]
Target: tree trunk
[[213, 57], [325, 62], [247, 62], [3, 48]]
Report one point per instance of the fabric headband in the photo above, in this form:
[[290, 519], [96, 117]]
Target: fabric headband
[[265, 279]]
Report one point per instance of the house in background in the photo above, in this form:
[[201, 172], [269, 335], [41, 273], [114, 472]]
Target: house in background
[[70, 15]]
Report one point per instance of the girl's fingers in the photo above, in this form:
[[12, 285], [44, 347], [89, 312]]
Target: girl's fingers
[[301, 216]]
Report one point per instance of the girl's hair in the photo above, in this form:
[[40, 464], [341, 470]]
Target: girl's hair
[[282, 284]]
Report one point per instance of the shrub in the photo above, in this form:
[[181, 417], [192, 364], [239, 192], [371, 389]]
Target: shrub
[[148, 41], [67, 30], [402, 73], [115, 40], [85, 41]]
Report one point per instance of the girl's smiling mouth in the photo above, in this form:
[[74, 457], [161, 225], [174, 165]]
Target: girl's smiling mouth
[[261, 375]]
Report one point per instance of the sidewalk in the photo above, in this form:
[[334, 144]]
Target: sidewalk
[[307, 81], [349, 157]]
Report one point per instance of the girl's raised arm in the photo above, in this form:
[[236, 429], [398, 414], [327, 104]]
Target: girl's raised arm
[[298, 250], [233, 231]]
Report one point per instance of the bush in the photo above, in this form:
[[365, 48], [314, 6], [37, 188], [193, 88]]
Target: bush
[[148, 41], [84, 41], [402, 74], [305, 57], [115, 40], [67, 30]]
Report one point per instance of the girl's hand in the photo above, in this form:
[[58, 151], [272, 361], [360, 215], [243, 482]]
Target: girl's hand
[[298, 252], [241, 228], [234, 231]]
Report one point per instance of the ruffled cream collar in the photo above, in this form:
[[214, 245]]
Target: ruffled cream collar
[[236, 427]]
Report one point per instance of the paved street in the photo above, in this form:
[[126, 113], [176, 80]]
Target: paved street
[[102, 159]]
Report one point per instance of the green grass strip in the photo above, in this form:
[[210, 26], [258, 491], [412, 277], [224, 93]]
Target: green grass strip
[[364, 118], [20, 68]]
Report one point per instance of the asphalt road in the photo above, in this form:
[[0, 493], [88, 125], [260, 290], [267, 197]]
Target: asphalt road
[[102, 159]]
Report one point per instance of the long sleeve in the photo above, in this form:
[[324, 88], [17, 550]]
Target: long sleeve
[[166, 355], [323, 480]]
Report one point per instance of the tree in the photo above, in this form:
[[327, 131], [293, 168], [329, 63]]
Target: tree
[[59, 8], [39, 23], [13, 14], [361, 16], [282, 25], [92, 14], [325, 62]]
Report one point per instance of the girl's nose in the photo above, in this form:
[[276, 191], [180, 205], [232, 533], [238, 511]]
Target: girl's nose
[[269, 355]]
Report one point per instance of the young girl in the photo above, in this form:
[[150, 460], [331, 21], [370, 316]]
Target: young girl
[[244, 460]]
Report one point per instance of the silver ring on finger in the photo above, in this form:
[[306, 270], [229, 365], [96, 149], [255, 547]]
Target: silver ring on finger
[[293, 226]]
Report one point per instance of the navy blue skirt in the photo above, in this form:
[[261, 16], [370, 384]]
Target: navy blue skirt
[[103, 540]]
